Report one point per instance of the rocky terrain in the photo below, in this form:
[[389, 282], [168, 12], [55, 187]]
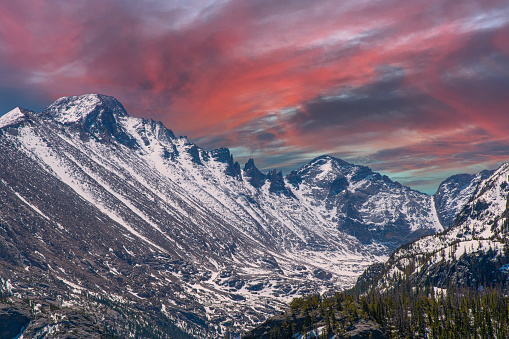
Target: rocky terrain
[[473, 252], [450, 284], [140, 231], [454, 193]]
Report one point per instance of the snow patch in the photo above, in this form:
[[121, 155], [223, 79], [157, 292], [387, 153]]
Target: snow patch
[[75, 110], [12, 118], [31, 206]]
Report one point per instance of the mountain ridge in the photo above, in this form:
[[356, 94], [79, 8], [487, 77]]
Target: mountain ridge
[[449, 284], [473, 252], [103, 204]]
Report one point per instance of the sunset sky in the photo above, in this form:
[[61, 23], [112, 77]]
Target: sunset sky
[[417, 90]]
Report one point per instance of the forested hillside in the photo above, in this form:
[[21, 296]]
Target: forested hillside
[[402, 312]]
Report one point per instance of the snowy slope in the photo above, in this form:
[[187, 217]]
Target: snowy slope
[[101, 203], [14, 117], [472, 252], [363, 203], [454, 193]]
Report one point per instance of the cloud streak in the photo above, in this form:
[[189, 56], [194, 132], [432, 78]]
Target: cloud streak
[[401, 86]]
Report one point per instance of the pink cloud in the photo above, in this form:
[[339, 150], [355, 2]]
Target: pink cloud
[[217, 72]]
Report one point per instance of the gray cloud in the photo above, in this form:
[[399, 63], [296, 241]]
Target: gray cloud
[[386, 101]]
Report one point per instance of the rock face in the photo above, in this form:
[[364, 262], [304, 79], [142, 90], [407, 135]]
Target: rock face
[[13, 320], [100, 210], [363, 203], [454, 193], [253, 174], [473, 252], [360, 329], [37, 318], [365, 329]]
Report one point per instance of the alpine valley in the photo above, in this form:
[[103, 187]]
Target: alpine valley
[[453, 284], [111, 226]]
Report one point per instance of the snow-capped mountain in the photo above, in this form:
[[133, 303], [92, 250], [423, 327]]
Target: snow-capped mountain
[[473, 252], [454, 193], [103, 211], [365, 204]]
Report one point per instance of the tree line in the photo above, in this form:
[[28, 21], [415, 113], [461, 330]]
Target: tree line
[[404, 311]]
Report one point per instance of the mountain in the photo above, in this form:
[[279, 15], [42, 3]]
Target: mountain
[[454, 193], [473, 252], [116, 219], [365, 204], [447, 285]]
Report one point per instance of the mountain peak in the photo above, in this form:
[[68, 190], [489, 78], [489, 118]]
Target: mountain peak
[[83, 108], [328, 158], [277, 183], [93, 115], [253, 174], [249, 164], [13, 117]]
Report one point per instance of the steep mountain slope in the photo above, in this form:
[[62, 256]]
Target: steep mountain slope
[[365, 204], [454, 193], [474, 252], [101, 210], [452, 284]]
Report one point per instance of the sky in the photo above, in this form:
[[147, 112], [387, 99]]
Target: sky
[[417, 90]]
